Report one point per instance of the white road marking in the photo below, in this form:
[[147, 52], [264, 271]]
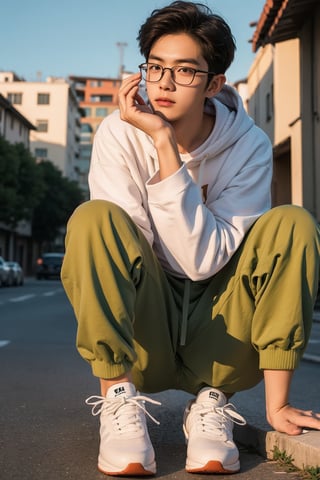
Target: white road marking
[[311, 358], [22, 298], [4, 343]]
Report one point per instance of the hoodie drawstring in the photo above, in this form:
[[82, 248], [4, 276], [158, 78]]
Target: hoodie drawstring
[[185, 311]]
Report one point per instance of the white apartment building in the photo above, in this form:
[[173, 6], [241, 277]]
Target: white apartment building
[[53, 108], [14, 127]]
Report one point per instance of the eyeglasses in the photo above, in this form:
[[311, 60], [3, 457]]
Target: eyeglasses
[[181, 75]]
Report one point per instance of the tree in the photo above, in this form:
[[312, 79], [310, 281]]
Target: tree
[[61, 196], [20, 183], [35, 192]]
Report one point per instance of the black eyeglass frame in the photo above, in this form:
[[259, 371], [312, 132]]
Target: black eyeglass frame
[[143, 68]]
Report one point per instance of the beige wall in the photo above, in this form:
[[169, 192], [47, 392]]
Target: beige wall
[[286, 88], [61, 114], [275, 74], [287, 125], [294, 68], [260, 89]]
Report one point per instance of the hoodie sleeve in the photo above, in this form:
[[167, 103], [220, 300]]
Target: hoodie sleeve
[[199, 238], [112, 178]]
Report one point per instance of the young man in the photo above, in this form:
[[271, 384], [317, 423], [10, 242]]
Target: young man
[[180, 274]]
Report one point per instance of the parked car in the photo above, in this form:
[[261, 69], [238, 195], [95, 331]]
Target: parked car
[[4, 272], [49, 265], [15, 274]]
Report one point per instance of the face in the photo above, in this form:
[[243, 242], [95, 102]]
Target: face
[[175, 101]]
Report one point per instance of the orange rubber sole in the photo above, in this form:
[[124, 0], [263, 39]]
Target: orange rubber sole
[[211, 467], [131, 470]]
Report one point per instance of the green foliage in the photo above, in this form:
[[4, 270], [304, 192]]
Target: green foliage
[[61, 196], [311, 473], [35, 192], [20, 184], [283, 459], [286, 461]]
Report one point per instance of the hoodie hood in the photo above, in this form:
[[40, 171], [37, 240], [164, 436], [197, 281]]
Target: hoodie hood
[[232, 122]]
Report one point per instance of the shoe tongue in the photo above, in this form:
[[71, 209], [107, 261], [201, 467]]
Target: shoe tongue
[[211, 395], [125, 389]]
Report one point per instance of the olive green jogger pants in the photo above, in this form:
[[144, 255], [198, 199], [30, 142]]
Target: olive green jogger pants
[[255, 314]]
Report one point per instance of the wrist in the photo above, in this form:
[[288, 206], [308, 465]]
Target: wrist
[[277, 387], [163, 136], [167, 150]]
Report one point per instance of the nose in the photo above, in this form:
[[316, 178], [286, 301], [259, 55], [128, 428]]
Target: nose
[[166, 80]]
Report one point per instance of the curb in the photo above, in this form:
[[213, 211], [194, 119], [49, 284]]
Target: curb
[[303, 449]]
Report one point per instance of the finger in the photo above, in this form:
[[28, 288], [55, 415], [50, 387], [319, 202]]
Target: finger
[[306, 418], [314, 414], [132, 80], [128, 92], [125, 91], [127, 98]]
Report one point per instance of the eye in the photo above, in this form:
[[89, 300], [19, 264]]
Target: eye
[[185, 71], [154, 67]]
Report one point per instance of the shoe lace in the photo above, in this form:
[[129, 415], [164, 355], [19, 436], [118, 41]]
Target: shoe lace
[[124, 409], [216, 420]]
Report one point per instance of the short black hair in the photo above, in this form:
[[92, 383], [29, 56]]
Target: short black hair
[[210, 30]]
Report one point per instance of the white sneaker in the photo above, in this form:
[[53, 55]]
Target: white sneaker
[[208, 424], [125, 446]]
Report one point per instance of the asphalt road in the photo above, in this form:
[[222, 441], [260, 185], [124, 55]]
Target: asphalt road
[[46, 430]]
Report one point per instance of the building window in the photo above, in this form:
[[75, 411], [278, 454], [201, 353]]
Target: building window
[[269, 105], [42, 125], [87, 111], [80, 84], [85, 151], [43, 99], [41, 152], [15, 98], [101, 112], [101, 98], [86, 128], [96, 83]]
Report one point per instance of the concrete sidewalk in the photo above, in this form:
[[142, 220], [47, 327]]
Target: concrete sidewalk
[[257, 436], [305, 394], [256, 440], [304, 449]]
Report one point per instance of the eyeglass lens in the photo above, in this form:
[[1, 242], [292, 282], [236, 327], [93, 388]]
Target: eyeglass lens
[[154, 73]]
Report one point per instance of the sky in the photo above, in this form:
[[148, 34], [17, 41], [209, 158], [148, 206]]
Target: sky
[[42, 38]]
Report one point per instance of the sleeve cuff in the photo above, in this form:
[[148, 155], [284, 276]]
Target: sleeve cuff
[[274, 358]]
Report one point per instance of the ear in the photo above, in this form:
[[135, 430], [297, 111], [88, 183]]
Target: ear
[[215, 85]]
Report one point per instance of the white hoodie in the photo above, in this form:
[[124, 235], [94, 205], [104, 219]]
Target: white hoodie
[[196, 218]]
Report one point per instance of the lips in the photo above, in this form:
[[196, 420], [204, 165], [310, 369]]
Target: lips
[[164, 102]]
